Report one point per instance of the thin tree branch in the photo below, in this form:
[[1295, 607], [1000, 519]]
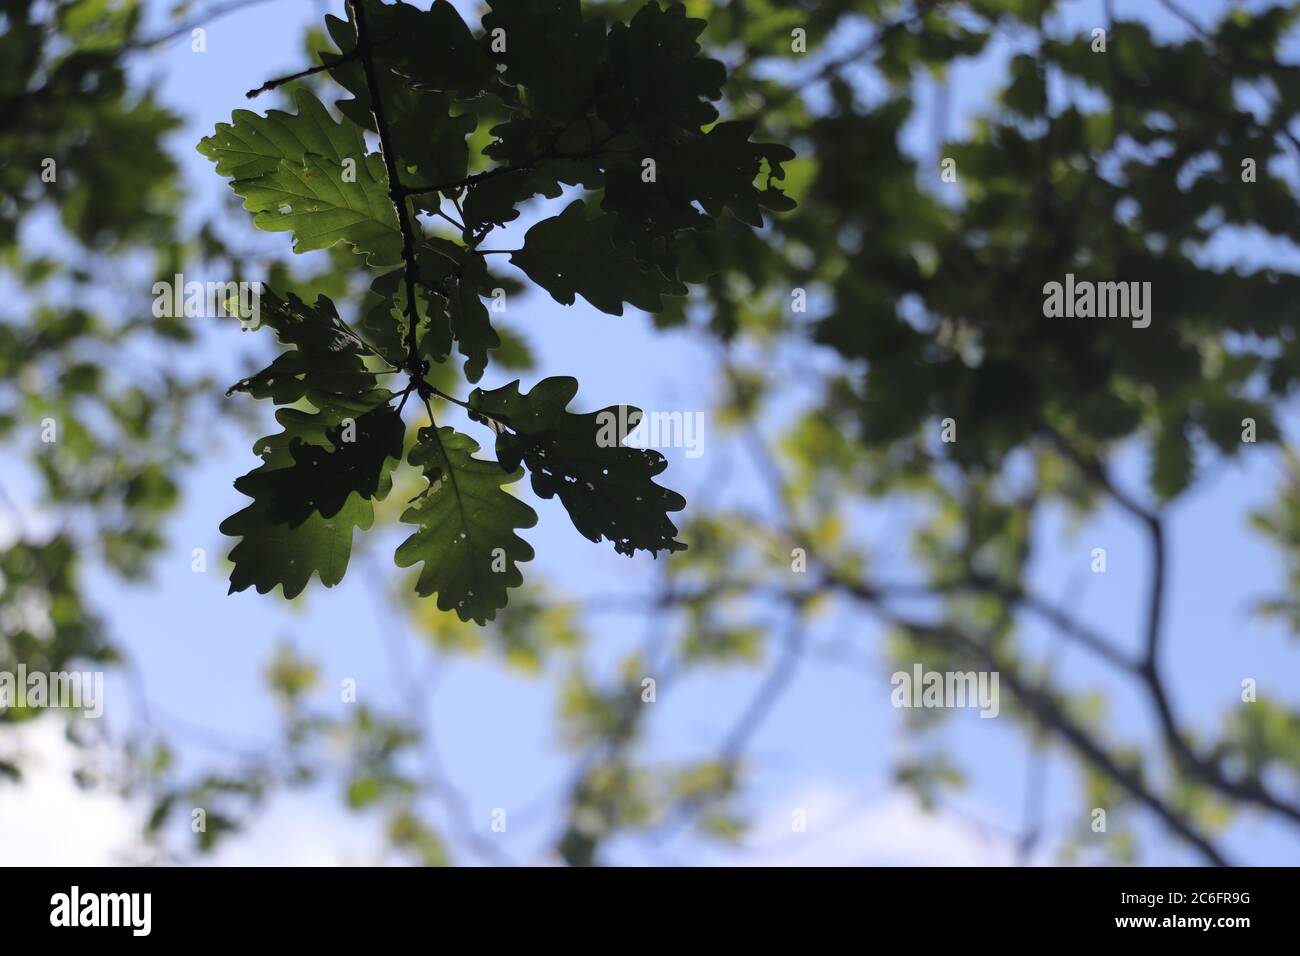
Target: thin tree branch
[[1037, 702], [310, 71], [769, 694], [1049, 714], [395, 193], [1057, 617], [417, 702], [470, 180], [1249, 790]]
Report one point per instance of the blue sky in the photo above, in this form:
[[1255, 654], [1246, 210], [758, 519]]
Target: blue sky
[[827, 748]]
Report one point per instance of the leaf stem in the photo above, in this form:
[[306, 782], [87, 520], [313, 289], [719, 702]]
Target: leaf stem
[[406, 393], [466, 405], [429, 411], [458, 225]]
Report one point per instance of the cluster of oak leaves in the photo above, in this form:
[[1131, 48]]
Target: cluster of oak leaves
[[567, 100]]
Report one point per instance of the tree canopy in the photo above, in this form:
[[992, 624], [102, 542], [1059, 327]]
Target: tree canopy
[[781, 181]]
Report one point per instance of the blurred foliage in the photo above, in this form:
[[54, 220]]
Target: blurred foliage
[[924, 302]]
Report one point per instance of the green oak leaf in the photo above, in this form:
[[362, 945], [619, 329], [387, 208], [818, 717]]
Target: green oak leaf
[[570, 255], [656, 68], [470, 323], [606, 487], [254, 145], [326, 356], [417, 55], [697, 178], [271, 553], [314, 486], [451, 309], [492, 201], [351, 457], [383, 317], [312, 200], [277, 549], [466, 538], [450, 305], [431, 49], [461, 63], [540, 163], [551, 50], [303, 173]]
